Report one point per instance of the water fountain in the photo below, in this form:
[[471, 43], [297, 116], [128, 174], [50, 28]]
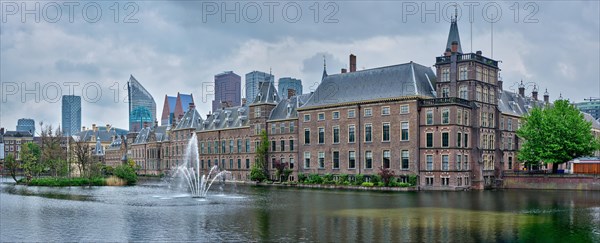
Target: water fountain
[[190, 171]]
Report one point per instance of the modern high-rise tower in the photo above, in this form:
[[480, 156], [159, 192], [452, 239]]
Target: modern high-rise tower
[[252, 83], [71, 114], [142, 108], [228, 90], [26, 125]]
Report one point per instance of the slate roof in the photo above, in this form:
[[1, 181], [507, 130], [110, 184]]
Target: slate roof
[[266, 93], [408, 79], [159, 131], [287, 108], [98, 150], [102, 133], [453, 36], [116, 144], [17, 134], [231, 117], [514, 104], [191, 119], [590, 118]]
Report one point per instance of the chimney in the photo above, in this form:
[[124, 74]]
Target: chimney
[[344, 70], [534, 93], [108, 127], [546, 97], [479, 53], [192, 106], [244, 101], [352, 63], [522, 89], [83, 128], [454, 46], [2, 131], [94, 127], [290, 93]]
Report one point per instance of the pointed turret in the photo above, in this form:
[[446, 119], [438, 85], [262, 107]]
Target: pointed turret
[[453, 36], [324, 69]]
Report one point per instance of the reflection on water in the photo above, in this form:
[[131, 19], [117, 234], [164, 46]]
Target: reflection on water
[[243, 213]]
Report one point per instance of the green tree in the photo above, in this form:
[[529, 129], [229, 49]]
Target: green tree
[[53, 155], [556, 134], [261, 168], [12, 165], [30, 156], [127, 173]]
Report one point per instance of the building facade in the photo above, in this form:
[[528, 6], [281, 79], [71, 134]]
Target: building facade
[[13, 140], [592, 107], [289, 87], [26, 125], [228, 90], [453, 127], [253, 80], [142, 108], [71, 114]]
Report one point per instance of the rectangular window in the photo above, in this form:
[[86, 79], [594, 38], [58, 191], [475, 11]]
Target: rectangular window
[[247, 163], [336, 115], [273, 163], [273, 127], [445, 181], [306, 159], [404, 109], [257, 112], [282, 127], [351, 132], [368, 159], [239, 164], [509, 124], [429, 181], [368, 112], [429, 160], [510, 163], [306, 117], [458, 137], [223, 148], [321, 135], [386, 132], [445, 116], [386, 159], [466, 142], [321, 160], [429, 118], [209, 164], [306, 136], [291, 127], [291, 145], [429, 137], [217, 148], [466, 118], [291, 163], [336, 159], [385, 110], [321, 116], [351, 160], [445, 139], [445, 92], [282, 145], [201, 164], [404, 159], [273, 146], [230, 163], [404, 131], [445, 162], [368, 133], [231, 146], [458, 162], [336, 134], [351, 114], [239, 146], [201, 148], [247, 146], [445, 75], [459, 117], [462, 73]]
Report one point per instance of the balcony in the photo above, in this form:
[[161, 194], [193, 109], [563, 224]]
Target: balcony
[[468, 57], [445, 101]]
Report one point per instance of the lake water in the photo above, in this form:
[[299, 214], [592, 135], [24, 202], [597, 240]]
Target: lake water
[[152, 211]]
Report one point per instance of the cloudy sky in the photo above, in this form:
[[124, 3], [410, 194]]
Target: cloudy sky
[[178, 46]]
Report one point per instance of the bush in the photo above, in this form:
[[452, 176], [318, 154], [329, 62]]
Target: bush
[[126, 173], [404, 184], [359, 179], [257, 174], [301, 177], [315, 179], [328, 179], [367, 184], [375, 179], [59, 181], [380, 183], [343, 179], [412, 180]]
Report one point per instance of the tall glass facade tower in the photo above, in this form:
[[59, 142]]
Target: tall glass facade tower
[[289, 86], [142, 108], [252, 81], [71, 114]]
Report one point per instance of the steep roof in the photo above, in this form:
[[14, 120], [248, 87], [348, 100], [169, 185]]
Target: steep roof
[[145, 135], [230, 117], [266, 93], [453, 36], [514, 104], [408, 79], [590, 118], [17, 134], [191, 119], [287, 108]]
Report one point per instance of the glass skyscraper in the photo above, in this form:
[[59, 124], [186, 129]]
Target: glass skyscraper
[[142, 108], [289, 86], [228, 87], [71, 114], [26, 125], [252, 80]]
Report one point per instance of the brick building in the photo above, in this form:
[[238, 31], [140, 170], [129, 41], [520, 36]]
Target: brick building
[[454, 127]]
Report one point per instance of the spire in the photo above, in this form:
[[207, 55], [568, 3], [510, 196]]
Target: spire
[[324, 69], [453, 35]]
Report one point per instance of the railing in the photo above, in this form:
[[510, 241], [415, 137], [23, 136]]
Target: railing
[[443, 101], [467, 57]]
